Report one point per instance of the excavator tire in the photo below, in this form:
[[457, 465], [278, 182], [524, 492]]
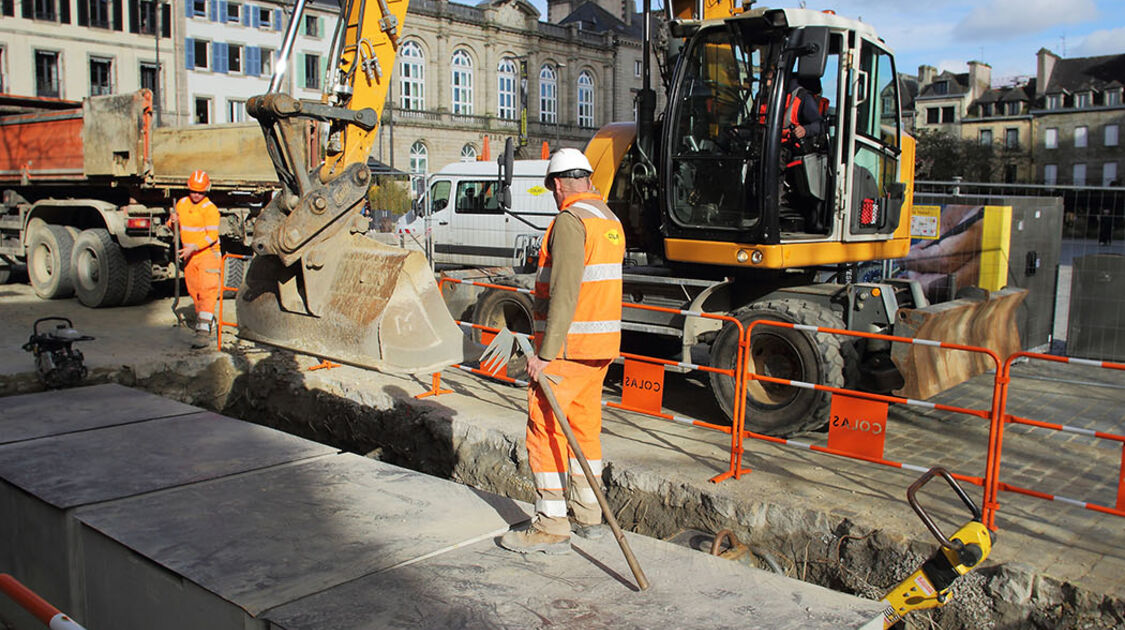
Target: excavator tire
[[775, 409]]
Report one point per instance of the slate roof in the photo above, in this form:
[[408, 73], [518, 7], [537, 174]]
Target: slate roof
[[594, 19], [957, 84], [1086, 73]]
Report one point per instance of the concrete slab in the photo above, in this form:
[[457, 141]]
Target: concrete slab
[[31, 416], [119, 461], [264, 539], [484, 586]]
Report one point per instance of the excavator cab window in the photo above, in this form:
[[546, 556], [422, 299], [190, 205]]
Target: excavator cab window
[[876, 201], [712, 129]]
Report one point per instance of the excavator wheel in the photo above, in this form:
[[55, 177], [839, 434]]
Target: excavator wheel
[[775, 409]]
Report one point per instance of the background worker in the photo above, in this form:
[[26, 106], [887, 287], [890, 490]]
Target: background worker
[[199, 249], [577, 314]]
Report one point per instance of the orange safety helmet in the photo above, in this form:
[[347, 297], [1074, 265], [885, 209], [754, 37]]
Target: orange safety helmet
[[199, 181]]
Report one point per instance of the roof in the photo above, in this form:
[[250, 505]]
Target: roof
[[1079, 74], [957, 84], [594, 19], [907, 89]]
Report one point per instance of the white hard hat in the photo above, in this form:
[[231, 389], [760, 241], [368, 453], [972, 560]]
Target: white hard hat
[[566, 160]]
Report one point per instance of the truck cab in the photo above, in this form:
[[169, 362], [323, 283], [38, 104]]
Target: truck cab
[[466, 222]]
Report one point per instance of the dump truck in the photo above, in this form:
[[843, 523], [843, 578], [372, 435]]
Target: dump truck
[[87, 188]]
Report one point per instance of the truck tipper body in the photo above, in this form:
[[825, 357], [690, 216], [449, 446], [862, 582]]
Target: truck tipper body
[[87, 189]]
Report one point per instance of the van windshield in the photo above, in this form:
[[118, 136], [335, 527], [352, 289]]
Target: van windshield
[[477, 197]]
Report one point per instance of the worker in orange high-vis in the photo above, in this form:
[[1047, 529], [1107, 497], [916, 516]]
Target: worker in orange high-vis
[[577, 318], [199, 250]]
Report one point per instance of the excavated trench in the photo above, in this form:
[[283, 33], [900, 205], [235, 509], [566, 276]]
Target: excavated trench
[[804, 543]]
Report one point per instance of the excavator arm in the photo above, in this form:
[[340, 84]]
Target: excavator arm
[[317, 284]]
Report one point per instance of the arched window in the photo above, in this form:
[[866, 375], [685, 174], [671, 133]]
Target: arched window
[[462, 68], [548, 94], [506, 89], [585, 99], [419, 158], [412, 77], [468, 153]]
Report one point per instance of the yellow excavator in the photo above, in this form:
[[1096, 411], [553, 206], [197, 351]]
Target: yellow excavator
[[726, 212]]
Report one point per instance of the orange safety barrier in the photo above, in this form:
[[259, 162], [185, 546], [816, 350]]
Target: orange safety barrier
[[994, 477], [993, 414], [223, 288], [38, 607], [651, 406]]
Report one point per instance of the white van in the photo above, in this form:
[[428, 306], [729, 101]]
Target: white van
[[468, 227]]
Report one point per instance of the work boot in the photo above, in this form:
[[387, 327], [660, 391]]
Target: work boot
[[591, 531], [531, 539], [201, 339]]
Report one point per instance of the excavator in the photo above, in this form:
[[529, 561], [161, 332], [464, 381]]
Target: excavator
[[726, 211]]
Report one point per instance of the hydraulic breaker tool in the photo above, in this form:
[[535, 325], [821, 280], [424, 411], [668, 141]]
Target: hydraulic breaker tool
[[929, 586]]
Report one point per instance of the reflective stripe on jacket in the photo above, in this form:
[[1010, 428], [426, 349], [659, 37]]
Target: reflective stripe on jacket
[[595, 330], [199, 223]]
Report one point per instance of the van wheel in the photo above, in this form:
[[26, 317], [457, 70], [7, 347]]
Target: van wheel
[[771, 408], [101, 274], [48, 260], [505, 309]]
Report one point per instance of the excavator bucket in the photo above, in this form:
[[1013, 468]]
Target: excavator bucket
[[988, 323], [355, 301]]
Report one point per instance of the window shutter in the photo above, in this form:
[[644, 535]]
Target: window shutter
[[246, 9], [213, 7], [134, 12], [64, 11], [118, 22], [256, 18], [189, 52], [223, 11], [220, 64], [303, 29], [320, 26], [253, 61], [277, 19], [300, 59], [324, 71], [189, 6]]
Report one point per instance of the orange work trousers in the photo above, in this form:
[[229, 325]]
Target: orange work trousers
[[579, 394], [201, 274]]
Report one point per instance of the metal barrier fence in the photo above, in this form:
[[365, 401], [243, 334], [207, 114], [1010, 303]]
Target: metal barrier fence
[[650, 407], [995, 485], [35, 605], [223, 288]]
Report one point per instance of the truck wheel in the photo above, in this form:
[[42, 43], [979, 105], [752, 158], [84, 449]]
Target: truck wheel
[[48, 260], [101, 274], [235, 269], [138, 284], [774, 409], [500, 309]]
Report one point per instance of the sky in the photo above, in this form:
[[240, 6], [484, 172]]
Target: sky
[[1005, 34]]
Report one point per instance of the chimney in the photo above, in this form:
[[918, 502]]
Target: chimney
[[926, 76], [1045, 66], [980, 78]]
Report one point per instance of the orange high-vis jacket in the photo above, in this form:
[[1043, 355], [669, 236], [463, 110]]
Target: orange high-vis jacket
[[199, 223], [595, 330]]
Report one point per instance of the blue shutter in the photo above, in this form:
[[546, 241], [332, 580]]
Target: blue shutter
[[246, 9], [189, 51], [214, 10], [253, 61], [256, 18], [190, 7], [277, 19], [220, 64], [223, 11]]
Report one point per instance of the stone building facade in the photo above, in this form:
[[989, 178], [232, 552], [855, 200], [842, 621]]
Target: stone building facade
[[459, 73]]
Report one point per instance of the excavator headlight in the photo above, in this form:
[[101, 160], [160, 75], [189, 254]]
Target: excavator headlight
[[752, 256], [742, 256]]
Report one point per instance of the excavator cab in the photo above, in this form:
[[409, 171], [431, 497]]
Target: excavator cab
[[738, 183]]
